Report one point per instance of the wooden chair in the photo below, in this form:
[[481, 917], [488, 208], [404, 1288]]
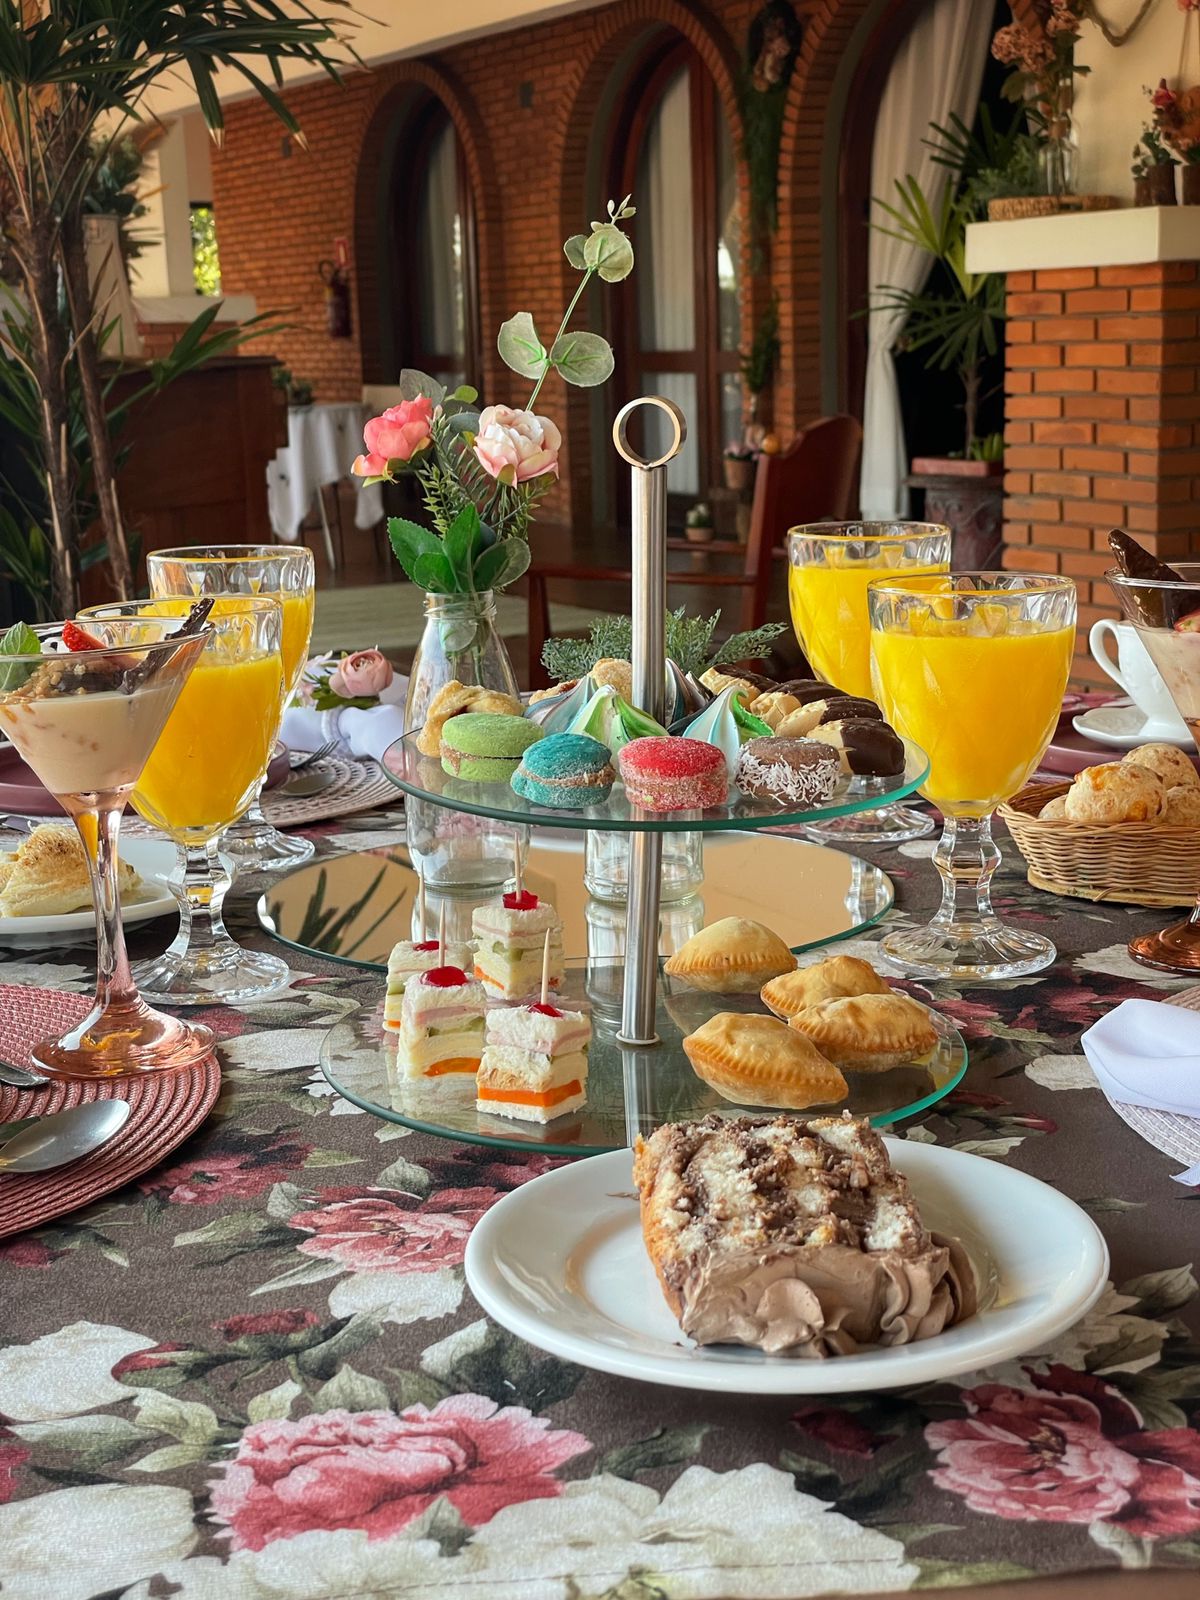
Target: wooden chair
[[813, 480]]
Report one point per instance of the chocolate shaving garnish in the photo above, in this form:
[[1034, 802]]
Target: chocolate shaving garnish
[[1153, 608], [154, 660]]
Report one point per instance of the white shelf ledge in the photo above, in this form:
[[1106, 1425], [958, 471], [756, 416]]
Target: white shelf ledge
[[187, 307], [1121, 238]]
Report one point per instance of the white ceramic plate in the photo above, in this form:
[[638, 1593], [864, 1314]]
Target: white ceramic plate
[[561, 1263], [152, 858], [1123, 727]]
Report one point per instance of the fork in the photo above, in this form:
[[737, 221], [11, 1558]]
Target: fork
[[318, 754]]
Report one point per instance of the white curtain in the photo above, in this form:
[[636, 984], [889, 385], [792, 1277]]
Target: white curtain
[[936, 73], [441, 256], [665, 275]]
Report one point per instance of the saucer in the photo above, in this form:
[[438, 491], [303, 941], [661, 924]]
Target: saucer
[[1123, 726]]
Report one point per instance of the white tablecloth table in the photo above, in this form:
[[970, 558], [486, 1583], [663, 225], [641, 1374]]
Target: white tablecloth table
[[323, 441]]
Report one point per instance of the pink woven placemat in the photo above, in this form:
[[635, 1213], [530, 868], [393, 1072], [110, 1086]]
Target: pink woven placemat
[[165, 1107]]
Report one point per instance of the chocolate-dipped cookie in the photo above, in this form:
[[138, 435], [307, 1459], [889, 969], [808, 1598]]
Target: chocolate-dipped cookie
[[806, 689], [839, 708], [866, 749], [788, 771]]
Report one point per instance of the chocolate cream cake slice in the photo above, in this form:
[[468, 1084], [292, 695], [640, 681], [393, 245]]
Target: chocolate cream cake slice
[[795, 1235]]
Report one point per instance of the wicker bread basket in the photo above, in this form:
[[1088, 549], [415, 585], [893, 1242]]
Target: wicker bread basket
[[1016, 208], [1131, 863]]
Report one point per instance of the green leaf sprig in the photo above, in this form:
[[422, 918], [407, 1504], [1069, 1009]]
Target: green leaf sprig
[[20, 640], [689, 644]]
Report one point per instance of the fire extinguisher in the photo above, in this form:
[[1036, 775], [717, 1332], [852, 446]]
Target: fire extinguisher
[[337, 299]]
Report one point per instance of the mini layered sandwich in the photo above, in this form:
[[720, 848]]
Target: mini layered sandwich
[[441, 1024], [534, 1064], [509, 943], [406, 961]]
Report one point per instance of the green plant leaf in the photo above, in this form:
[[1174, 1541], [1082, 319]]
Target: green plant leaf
[[411, 541], [520, 348], [584, 359], [433, 573], [414, 383], [665, 1447], [459, 545], [573, 250], [273, 1404], [608, 251], [351, 1391], [501, 565], [19, 640]]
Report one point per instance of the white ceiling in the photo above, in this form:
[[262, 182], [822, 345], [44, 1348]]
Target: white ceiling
[[387, 30]]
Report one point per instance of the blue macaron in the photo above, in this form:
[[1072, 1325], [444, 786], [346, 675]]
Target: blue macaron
[[565, 771]]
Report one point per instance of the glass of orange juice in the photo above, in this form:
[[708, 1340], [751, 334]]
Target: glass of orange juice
[[285, 572], [830, 565], [204, 771], [971, 667]]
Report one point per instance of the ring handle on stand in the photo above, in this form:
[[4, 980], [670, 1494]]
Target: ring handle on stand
[[674, 415]]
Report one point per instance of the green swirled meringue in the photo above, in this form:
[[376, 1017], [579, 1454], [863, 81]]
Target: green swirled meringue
[[614, 721], [727, 724], [557, 715]]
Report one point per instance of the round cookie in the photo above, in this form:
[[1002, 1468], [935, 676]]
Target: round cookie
[[1115, 791], [665, 774], [788, 771], [1182, 806], [484, 747], [1172, 766], [566, 771]]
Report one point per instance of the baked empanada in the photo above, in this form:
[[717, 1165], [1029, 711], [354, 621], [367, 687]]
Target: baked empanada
[[756, 1061], [732, 956], [870, 1032], [833, 979]]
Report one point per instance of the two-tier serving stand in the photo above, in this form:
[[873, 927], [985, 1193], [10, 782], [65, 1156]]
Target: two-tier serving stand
[[639, 1075]]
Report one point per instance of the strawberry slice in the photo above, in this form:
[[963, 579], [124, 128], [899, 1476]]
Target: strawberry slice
[[77, 638]]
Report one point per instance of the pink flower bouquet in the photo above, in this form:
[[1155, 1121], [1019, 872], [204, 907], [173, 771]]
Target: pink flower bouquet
[[481, 472]]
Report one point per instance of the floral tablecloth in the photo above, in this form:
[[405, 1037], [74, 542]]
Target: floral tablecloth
[[257, 1375]]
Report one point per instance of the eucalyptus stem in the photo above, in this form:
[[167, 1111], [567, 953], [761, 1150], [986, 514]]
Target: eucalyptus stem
[[562, 328]]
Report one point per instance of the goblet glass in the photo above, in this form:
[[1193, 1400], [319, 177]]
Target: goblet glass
[[284, 572], [972, 668], [86, 722], [830, 565], [1167, 619], [206, 767]]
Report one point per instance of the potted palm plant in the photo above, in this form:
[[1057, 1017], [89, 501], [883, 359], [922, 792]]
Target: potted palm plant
[[72, 81]]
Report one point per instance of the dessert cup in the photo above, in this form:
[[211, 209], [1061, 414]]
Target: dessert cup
[[86, 722], [1167, 619], [830, 565], [287, 574], [972, 668], [208, 764]]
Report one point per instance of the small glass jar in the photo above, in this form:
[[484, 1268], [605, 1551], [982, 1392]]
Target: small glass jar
[[459, 853], [606, 866], [606, 932]]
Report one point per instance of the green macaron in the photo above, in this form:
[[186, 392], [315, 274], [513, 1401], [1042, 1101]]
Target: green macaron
[[485, 746]]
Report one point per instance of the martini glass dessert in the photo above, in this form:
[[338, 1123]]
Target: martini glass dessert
[[86, 718], [1163, 603]]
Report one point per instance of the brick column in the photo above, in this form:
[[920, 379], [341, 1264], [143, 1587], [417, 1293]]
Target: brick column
[[1102, 422]]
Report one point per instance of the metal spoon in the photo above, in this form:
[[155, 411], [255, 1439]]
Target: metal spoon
[[53, 1141], [21, 1077]]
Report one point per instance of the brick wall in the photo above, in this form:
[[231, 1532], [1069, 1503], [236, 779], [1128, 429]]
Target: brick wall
[[279, 205], [1102, 422]]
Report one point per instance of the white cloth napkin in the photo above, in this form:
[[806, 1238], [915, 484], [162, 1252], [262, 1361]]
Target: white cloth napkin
[[1145, 1053], [358, 732]]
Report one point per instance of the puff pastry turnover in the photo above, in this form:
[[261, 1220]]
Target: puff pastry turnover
[[833, 979], [757, 1061], [451, 700], [732, 956], [868, 1031]]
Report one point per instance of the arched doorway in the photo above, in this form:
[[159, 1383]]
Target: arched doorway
[[676, 322]]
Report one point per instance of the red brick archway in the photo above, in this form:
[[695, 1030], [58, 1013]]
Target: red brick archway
[[394, 85]]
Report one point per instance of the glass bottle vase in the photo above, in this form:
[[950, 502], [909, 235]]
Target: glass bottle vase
[[456, 852]]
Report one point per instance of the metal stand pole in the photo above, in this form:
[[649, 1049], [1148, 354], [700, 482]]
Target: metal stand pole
[[649, 605]]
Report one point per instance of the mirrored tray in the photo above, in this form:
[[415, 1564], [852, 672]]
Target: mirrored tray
[[355, 907], [422, 777], [630, 1090]]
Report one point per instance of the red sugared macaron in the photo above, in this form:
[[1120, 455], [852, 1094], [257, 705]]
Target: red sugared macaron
[[665, 774]]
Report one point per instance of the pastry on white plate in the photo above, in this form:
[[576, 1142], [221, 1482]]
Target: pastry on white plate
[[47, 875]]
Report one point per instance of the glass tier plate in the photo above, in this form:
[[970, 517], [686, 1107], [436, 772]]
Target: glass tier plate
[[355, 907], [422, 777], [630, 1090]]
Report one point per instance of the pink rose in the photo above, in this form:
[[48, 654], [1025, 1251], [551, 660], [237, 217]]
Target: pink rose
[[1163, 97], [380, 1230], [374, 1471], [256, 1324], [1070, 1450], [517, 445], [247, 1167], [365, 673], [27, 1253], [402, 432], [158, 1355]]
